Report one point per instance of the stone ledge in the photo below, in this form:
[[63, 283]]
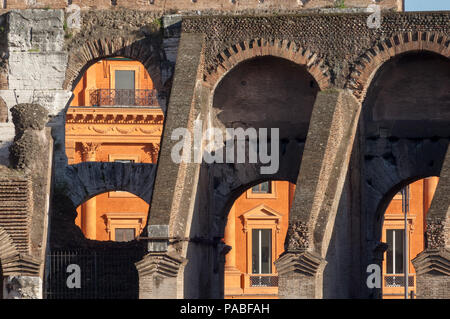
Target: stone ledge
[[433, 261], [304, 262], [164, 264]]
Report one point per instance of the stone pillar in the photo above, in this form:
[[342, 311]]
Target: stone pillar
[[21, 277], [300, 270], [90, 218], [323, 171], [232, 274], [160, 276], [300, 275], [433, 274]]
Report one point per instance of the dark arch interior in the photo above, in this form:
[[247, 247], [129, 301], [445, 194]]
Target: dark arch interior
[[410, 97], [267, 92]]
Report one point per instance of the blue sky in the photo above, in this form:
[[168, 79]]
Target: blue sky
[[426, 5]]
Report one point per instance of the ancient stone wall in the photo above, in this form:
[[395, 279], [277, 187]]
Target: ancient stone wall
[[171, 6], [42, 60]]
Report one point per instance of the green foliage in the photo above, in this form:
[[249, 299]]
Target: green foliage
[[158, 23], [340, 4]]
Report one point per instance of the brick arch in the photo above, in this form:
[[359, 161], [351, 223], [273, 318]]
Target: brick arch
[[88, 179], [144, 51], [232, 56], [368, 64]]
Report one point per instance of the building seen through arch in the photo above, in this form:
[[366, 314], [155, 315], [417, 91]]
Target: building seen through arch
[[257, 226], [114, 117], [256, 229], [414, 200]]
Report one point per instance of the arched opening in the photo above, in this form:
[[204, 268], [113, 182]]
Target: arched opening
[[113, 216], [259, 93], [114, 119], [255, 231], [409, 97], [268, 92], [405, 138], [403, 230], [115, 115]]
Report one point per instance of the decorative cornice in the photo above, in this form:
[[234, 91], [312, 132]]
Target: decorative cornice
[[119, 129], [103, 115], [433, 260], [306, 262], [163, 264]]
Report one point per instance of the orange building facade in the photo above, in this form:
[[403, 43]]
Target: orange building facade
[[415, 199], [256, 230], [257, 226], [114, 117]]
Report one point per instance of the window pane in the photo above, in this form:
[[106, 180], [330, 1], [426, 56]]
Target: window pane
[[124, 234], [394, 253], [399, 235], [255, 251], [124, 161], [124, 94], [124, 80], [266, 251], [261, 251], [263, 188]]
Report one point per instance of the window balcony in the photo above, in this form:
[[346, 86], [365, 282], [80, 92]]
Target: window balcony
[[123, 98]]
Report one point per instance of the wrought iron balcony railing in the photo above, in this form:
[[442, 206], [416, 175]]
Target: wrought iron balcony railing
[[263, 281], [110, 97], [398, 280]]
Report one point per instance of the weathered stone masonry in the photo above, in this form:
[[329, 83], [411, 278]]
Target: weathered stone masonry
[[341, 53]]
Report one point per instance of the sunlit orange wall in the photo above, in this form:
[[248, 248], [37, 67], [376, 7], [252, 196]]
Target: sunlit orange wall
[[281, 204], [420, 200], [98, 76], [108, 204]]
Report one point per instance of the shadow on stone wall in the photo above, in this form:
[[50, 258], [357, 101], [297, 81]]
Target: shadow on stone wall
[[115, 273]]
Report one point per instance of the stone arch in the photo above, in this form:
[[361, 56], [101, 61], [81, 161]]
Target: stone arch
[[144, 51], [245, 50], [387, 174], [88, 179], [367, 65]]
